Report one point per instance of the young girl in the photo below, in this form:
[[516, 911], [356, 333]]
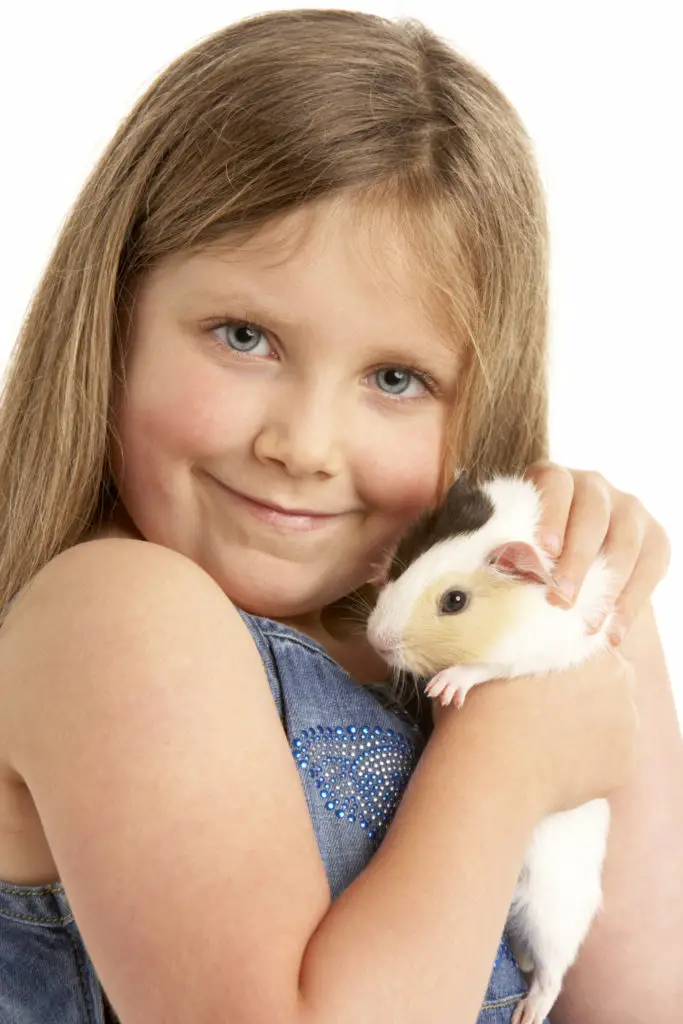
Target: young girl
[[305, 282]]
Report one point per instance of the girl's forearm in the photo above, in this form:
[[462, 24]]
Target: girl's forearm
[[426, 916], [629, 967]]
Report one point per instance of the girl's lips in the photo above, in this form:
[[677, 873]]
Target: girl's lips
[[277, 518]]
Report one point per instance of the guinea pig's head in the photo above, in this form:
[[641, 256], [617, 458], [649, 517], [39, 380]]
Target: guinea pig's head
[[443, 610]]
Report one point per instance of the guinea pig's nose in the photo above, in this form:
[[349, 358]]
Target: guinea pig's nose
[[385, 641]]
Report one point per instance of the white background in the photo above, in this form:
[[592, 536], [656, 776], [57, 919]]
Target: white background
[[599, 87]]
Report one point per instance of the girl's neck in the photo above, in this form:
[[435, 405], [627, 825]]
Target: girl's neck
[[340, 629]]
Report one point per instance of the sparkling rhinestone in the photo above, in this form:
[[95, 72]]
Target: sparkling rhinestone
[[368, 777]]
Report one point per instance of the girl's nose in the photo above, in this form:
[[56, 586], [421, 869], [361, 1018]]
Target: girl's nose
[[304, 442]]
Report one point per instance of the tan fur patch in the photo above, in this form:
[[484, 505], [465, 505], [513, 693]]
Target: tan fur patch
[[433, 641]]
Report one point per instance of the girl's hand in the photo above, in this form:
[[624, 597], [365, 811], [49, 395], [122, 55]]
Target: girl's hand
[[583, 515], [573, 733]]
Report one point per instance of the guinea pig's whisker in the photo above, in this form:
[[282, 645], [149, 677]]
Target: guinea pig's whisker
[[416, 689], [357, 625], [360, 606], [400, 682], [422, 668], [400, 563], [355, 614]]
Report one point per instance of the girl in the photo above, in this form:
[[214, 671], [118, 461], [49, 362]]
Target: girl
[[306, 280]]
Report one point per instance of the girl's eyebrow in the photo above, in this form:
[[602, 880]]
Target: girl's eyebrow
[[237, 303]]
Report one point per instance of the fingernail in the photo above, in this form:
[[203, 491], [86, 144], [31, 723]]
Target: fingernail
[[594, 626], [565, 590], [616, 631], [551, 543]]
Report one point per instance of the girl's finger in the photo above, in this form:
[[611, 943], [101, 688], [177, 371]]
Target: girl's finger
[[556, 487], [589, 520], [623, 546], [650, 569]]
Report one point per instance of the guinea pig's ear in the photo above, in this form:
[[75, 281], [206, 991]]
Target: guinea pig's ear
[[519, 561]]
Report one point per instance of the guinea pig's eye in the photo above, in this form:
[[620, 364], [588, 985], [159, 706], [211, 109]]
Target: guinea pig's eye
[[453, 601]]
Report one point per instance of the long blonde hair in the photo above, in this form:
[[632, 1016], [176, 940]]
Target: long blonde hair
[[259, 118]]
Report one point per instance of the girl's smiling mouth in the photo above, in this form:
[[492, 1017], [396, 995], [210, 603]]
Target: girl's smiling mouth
[[300, 520]]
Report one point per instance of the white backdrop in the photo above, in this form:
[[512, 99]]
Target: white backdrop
[[599, 87]]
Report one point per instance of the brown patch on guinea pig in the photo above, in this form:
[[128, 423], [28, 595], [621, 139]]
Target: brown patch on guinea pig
[[464, 509], [433, 640]]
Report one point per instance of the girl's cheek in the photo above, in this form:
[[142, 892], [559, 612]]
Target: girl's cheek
[[183, 408], [403, 480]]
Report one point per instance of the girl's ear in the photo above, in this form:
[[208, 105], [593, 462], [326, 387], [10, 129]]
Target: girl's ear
[[520, 561]]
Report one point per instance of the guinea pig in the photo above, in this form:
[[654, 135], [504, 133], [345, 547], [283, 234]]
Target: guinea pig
[[464, 601]]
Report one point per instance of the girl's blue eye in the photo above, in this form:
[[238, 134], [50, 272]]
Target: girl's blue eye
[[243, 337], [397, 381], [246, 336]]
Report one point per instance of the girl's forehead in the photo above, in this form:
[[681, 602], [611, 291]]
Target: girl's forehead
[[327, 229], [336, 234]]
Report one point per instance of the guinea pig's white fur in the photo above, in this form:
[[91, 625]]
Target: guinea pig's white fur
[[405, 627], [509, 629]]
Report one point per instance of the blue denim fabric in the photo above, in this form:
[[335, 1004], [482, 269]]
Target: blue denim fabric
[[355, 756]]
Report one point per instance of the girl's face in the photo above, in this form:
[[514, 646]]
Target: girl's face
[[292, 374]]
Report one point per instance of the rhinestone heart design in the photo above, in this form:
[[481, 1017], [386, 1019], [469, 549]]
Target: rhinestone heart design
[[360, 772]]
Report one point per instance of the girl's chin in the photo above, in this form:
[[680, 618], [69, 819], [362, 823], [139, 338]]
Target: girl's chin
[[285, 599]]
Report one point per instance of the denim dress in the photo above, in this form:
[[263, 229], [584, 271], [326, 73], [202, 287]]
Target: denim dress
[[355, 752]]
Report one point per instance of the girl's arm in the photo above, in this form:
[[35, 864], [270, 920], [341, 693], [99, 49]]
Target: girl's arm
[[140, 718], [630, 966], [142, 723]]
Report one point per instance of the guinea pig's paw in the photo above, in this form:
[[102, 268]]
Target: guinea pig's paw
[[450, 684], [525, 1014], [536, 1005], [455, 682]]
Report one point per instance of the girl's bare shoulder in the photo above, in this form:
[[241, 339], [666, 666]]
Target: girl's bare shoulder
[[104, 595], [141, 720], [87, 594]]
